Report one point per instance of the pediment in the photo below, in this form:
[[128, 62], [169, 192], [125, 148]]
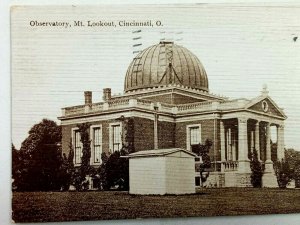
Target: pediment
[[265, 105]]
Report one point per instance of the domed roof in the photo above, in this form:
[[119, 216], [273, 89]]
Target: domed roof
[[165, 64]]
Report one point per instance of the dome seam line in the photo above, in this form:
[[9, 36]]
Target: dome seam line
[[180, 65], [149, 49], [187, 65], [150, 80]]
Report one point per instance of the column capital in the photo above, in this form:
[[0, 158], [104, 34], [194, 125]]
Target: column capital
[[242, 119]]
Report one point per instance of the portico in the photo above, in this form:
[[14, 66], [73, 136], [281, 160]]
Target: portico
[[240, 136]]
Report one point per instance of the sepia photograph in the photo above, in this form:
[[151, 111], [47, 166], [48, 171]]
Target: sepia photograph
[[154, 111]]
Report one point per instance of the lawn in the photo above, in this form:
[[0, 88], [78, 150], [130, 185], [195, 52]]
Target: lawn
[[72, 206]]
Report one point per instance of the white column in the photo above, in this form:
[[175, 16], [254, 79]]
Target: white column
[[268, 145], [222, 144], [244, 162], [233, 146], [155, 131], [257, 147], [252, 141], [229, 149], [280, 142], [269, 177]]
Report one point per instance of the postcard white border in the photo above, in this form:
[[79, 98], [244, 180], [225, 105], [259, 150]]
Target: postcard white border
[[5, 118]]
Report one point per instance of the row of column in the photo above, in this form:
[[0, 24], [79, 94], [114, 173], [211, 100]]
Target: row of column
[[243, 143]]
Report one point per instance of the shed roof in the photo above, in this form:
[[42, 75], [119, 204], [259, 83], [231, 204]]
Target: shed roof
[[159, 152]]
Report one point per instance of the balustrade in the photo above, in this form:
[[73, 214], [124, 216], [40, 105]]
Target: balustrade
[[230, 166], [74, 110], [147, 104]]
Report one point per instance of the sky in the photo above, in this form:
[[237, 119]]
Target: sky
[[242, 47]]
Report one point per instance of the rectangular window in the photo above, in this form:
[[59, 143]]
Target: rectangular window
[[116, 138], [77, 146], [197, 181], [194, 135], [97, 144]]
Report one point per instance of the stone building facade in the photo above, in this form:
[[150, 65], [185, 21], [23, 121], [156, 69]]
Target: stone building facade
[[167, 99]]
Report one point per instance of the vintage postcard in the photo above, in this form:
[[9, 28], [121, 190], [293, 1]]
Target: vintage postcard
[[154, 111]]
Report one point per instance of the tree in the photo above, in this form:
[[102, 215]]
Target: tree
[[16, 166], [202, 150], [273, 151], [67, 168], [47, 132], [297, 175], [128, 141], [283, 173], [103, 184], [292, 157], [114, 170], [257, 170], [36, 167], [86, 148], [79, 174]]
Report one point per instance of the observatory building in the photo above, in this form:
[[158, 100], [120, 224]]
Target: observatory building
[[167, 104]]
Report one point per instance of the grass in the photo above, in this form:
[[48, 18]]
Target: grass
[[72, 206]]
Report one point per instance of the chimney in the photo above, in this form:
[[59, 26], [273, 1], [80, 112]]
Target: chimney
[[106, 94], [87, 97]]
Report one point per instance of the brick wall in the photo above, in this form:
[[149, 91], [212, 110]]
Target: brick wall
[[143, 134], [173, 99], [166, 134], [67, 135], [167, 98], [182, 99], [169, 134], [207, 131], [66, 138]]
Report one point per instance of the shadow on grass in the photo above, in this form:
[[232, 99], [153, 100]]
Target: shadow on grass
[[126, 193]]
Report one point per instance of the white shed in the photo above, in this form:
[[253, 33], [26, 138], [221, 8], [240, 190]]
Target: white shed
[[162, 171]]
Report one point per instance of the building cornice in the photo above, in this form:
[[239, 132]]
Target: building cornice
[[167, 112]]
